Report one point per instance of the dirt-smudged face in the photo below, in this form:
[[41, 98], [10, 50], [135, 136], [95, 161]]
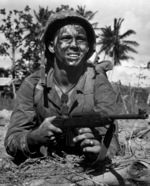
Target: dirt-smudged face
[[70, 45]]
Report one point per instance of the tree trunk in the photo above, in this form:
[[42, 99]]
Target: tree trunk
[[14, 89], [13, 71]]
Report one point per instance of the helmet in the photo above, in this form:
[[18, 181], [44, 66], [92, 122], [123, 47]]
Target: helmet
[[65, 17]]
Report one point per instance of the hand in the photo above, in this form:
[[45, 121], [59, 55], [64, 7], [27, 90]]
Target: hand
[[88, 142], [46, 133]]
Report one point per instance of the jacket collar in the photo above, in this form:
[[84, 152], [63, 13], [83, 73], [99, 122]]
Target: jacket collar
[[79, 86]]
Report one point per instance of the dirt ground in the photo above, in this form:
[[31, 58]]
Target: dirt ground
[[4, 121], [134, 137]]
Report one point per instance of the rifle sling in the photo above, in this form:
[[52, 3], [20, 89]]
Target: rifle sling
[[106, 142]]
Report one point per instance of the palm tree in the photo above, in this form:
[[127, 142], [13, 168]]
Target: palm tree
[[114, 44], [89, 15], [42, 16], [33, 39]]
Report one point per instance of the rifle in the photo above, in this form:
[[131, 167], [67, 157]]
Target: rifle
[[94, 119]]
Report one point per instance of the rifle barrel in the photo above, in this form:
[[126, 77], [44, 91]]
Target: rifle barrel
[[121, 116]]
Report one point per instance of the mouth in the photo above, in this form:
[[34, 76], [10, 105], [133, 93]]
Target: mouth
[[73, 55]]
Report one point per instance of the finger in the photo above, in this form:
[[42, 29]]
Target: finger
[[86, 143], [54, 129], [50, 119], [50, 135], [89, 143], [51, 125], [85, 130], [84, 136], [51, 140], [94, 149]]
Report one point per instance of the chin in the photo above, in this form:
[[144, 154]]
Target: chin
[[74, 63]]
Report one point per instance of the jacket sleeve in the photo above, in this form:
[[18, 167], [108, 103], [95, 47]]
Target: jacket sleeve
[[105, 100], [21, 122]]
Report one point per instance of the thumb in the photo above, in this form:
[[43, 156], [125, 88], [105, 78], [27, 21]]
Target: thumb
[[49, 119], [53, 126]]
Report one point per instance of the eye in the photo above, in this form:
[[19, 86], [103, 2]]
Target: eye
[[81, 39], [66, 38]]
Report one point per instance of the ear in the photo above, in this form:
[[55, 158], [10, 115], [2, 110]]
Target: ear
[[51, 47], [87, 49]]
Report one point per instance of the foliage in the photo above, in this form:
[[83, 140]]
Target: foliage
[[33, 44], [23, 31], [6, 103], [4, 72], [115, 44], [22, 34], [134, 98], [14, 26], [89, 15]]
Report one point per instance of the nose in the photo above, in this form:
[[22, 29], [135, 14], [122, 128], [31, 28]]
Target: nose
[[73, 43]]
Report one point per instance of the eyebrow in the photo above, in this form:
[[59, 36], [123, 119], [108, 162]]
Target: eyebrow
[[78, 28]]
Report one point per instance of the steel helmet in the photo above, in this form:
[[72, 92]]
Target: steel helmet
[[65, 17]]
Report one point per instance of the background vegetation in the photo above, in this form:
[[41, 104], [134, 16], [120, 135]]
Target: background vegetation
[[23, 31]]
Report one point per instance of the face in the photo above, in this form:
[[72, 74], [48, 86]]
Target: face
[[70, 45]]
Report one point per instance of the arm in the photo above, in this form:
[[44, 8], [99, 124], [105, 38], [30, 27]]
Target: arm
[[21, 122], [26, 134]]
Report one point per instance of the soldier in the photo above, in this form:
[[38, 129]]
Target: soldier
[[68, 85]]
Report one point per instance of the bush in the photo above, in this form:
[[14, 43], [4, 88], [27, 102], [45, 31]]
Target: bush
[[6, 103], [134, 98]]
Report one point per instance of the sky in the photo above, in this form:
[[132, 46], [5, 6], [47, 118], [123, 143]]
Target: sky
[[136, 14]]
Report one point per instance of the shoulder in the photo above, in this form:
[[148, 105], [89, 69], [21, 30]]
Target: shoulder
[[34, 78], [97, 73], [104, 66]]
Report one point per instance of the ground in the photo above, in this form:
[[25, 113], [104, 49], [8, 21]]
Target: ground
[[134, 137], [4, 120]]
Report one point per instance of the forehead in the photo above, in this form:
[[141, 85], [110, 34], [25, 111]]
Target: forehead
[[73, 28]]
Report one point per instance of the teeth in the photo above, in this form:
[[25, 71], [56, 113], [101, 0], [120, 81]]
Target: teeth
[[73, 55]]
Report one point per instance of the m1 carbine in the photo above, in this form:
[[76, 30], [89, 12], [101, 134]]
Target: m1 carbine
[[94, 119]]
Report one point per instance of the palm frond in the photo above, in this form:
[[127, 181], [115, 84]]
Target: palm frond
[[133, 43], [127, 33], [127, 49], [91, 15], [117, 25]]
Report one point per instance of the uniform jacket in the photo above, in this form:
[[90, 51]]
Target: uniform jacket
[[92, 93]]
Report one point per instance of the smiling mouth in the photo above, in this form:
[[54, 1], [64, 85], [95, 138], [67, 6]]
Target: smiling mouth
[[73, 56]]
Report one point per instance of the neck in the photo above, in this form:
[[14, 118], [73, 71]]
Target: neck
[[66, 77]]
